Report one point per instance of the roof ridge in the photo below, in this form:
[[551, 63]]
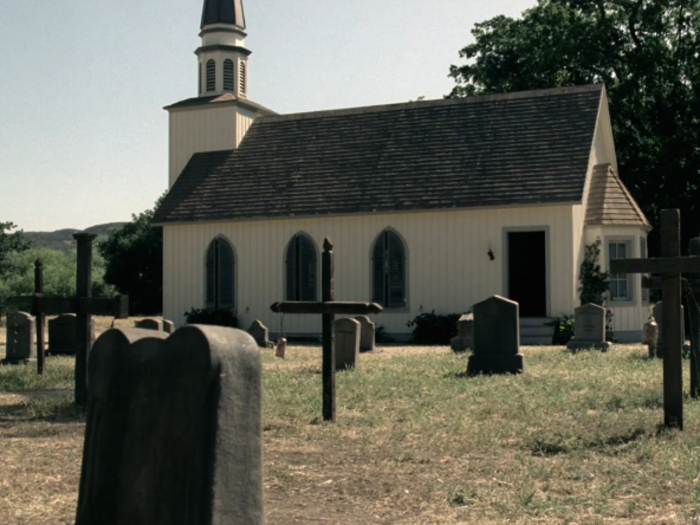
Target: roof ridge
[[536, 93]]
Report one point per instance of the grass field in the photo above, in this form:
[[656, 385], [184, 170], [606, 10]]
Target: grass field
[[575, 440]]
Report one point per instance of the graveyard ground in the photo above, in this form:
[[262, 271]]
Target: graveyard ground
[[574, 440]]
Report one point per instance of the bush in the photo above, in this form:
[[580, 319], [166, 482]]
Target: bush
[[564, 330], [380, 335], [433, 329], [219, 317]]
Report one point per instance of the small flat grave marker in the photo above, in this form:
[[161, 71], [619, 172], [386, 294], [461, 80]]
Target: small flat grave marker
[[464, 340], [174, 429], [589, 329], [367, 333], [19, 344], [496, 338], [150, 324], [347, 343], [260, 333]]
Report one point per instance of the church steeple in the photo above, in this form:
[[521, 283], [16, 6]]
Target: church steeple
[[223, 12], [223, 57]]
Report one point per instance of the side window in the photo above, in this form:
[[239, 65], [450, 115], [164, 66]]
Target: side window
[[301, 269], [620, 286], [220, 275], [211, 75], [389, 271]]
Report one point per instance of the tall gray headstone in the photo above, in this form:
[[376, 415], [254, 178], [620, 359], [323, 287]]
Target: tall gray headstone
[[150, 324], [367, 332], [62, 334], [347, 343], [21, 333], [464, 339], [589, 329], [260, 333], [659, 350], [496, 338], [174, 429]]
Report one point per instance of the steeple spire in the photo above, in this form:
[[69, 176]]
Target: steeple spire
[[223, 12]]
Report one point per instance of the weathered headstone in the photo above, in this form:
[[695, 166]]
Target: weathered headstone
[[589, 329], [347, 343], [260, 333], [496, 338], [464, 339], [367, 330], [658, 313], [168, 326], [174, 429], [150, 324], [62, 334], [19, 344]]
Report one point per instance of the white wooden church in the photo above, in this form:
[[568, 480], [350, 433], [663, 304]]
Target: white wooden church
[[432, 205]]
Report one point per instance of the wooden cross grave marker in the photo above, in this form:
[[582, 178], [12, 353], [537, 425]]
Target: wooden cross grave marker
[[83, 305], [328, 308], [670, 265]]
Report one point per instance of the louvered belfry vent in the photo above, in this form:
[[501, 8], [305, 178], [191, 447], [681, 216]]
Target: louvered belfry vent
[[220, 275], [228, 75], [389, 271], [211, 75], [242, 70], [301, 269]]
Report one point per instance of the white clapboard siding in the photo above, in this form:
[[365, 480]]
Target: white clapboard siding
[[220, 126], [448, 269], [631, 315]]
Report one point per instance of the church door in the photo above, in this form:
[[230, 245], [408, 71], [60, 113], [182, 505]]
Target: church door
[[527, 272]]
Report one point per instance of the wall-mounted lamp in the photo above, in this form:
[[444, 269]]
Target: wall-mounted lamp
[[491, 254]]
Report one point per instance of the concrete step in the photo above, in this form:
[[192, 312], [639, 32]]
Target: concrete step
[[535, 331]]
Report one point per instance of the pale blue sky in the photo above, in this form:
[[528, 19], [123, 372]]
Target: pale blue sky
[[83, 136]]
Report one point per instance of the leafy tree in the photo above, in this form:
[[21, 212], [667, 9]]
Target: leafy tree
[[645, 51], [9, 243], [134, 262], [59, 274]]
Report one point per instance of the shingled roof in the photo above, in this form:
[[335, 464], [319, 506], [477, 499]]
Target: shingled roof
[[609, 202], [514, 149]]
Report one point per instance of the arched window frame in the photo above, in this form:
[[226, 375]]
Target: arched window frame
[[211, 75], [389, 270], [228, 75], [220, 278], [301, 271]]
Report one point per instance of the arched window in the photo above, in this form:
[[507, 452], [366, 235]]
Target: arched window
[[211, 75], [242, 78], [389, 271], [228, 75], [302, 269], [220, 275]]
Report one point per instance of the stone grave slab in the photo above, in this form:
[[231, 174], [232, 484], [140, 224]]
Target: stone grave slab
[[367, 332], [150, 324], [260, 333], [496, 338], [658, 351], [589, 329], [62, 334], [464, 340], [347, 343], [174, 429], [168, 326], [20, 337]]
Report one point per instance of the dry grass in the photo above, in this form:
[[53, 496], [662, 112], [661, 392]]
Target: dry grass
[[574, 440]]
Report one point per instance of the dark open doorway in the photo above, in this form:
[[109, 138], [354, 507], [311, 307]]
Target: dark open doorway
[[527, 272]]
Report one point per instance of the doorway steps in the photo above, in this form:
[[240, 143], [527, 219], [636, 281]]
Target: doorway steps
[[536, 330]]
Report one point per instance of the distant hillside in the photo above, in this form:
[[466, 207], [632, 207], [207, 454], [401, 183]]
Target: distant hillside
[[62, 240]]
